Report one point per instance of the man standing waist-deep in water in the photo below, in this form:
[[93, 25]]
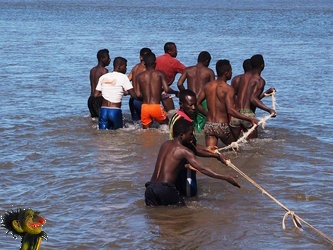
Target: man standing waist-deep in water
[[95, 103], [161, 189], [186, 181]]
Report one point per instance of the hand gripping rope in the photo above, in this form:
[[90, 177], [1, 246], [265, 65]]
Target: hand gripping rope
[[262, 122]]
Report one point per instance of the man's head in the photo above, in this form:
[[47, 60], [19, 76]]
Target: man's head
[[171, 49], [223, 68], [183, 129], [103, 57], [120, 64], [204, 58], [187, 102], [247, 66], [143, 52], [257, 62], [150, 60]]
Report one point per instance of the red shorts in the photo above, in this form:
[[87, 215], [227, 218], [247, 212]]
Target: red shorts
[[150, 112]]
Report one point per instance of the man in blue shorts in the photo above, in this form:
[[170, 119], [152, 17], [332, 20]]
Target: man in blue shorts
[[113, 86]]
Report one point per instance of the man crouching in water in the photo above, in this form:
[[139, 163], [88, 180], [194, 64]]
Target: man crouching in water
[[161, 189]]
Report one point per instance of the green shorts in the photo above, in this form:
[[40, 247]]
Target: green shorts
[[236, 123], [200, 119]]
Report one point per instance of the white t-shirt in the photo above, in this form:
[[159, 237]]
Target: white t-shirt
[[113, 85]]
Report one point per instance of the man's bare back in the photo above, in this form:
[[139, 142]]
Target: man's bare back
[[95, 73], [198, 75], [241, 87], [99, 70], [150, 84], [216, 93], [220, 103], [138, 68]]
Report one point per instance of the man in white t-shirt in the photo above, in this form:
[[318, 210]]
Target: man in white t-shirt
[[113, 86]]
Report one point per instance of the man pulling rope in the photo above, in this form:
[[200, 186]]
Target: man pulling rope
[[262, 122]]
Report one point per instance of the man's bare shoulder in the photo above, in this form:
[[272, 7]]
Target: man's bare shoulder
[[98, 71], [236, 78], [138, 68], [255, 81], [211, 84], [190, 69]]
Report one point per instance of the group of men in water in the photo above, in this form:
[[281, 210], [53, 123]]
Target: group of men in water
[[220, 109]]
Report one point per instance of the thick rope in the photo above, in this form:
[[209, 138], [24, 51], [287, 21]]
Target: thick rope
[[235, 145], [295, 218]]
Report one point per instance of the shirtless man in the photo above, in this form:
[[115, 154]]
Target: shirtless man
[[161, 189], [249, 88], [95, 103], [240, 85], [220, 102], [197, 76], [113, 86], [170, 66], [186, 182], [135, 104], [238, 81], [151, 83]]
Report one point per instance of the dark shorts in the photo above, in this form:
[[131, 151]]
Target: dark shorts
[[186, 182], [94, 105], [162, 194], [110, 118], [135, 108]]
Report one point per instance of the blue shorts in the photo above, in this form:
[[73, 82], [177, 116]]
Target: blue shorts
[[110, 118], [186, 182], [135, 108]]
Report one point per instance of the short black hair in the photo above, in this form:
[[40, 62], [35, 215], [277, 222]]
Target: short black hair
[[181, 126], [169, 46], [145, 51], [204, 56], [257, 61], [222, 67], [184, 93], [118, 61], [247, 66], [149, 59], [102, 53]]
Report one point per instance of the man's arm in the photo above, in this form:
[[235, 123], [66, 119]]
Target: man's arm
[[97, 91], [257, 90], [180, 83], [267, 92], [201, 97], [166, 87], [132, 93], [203, 151], [195, 163]]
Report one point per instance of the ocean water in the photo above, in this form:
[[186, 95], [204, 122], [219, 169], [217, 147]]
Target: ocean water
[[89, 184]]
